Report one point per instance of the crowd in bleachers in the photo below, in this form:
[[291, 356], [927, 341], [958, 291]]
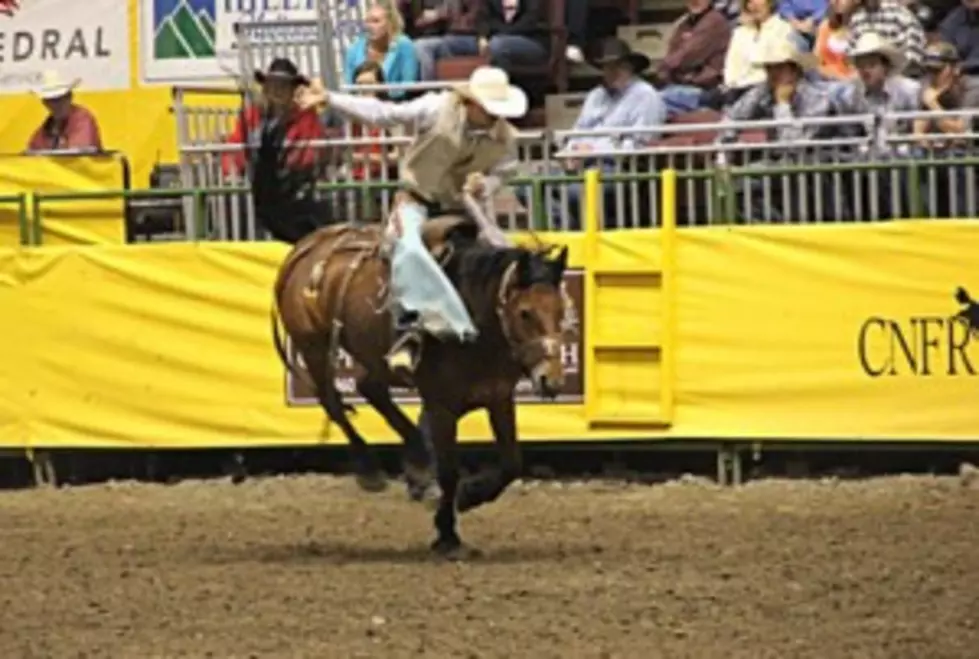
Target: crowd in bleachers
[[725, 65]]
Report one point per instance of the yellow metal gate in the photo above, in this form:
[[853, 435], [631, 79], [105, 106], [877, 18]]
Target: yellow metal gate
[[630, 317]]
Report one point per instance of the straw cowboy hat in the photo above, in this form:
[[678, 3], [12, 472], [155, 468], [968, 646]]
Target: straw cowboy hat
[[53, 86], [490, 87], [871, 43], [613, 50], [783, 51], [282, 68]]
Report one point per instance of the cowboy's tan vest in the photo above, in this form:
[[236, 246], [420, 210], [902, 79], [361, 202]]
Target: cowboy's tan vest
[[437, 163]]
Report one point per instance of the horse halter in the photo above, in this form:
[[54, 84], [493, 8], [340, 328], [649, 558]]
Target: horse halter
[[549, 344]]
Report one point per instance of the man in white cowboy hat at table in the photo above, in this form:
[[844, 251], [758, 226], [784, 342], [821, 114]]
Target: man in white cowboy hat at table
[[786, 94], [879, 90], [68, 126], [463, 144]]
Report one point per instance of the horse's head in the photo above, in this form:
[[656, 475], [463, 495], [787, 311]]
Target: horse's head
[[532, 313]]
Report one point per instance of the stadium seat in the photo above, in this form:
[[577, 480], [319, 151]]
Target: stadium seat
[[562, 110], [458, 68], [650, 40]]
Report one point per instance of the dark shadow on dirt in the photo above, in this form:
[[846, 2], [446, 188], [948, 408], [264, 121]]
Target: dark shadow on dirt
[[338, 552]]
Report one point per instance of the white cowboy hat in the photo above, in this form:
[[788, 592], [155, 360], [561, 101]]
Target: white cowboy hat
[[782, 51], [871, 43], [54, 86], [490, 87]]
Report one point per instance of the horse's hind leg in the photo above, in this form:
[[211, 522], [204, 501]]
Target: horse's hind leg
[[370, 477], [419, 471]]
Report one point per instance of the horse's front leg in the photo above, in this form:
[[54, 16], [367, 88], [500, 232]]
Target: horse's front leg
[[443, 428], [489, 485]]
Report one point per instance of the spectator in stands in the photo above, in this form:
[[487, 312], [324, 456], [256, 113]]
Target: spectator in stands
[[786, 94], [804, 16], [759, 25], [832, 41], [946, 88], [376, 160], [276, 109], [880, 89], [511, 32], [623, 100], [455, 20], [370, 160], [893, 21], [961, 29], [383, 41], [694, 59], [423, 18], [68, 126]]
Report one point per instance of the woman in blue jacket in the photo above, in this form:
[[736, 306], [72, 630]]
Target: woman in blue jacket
[[383, 41]]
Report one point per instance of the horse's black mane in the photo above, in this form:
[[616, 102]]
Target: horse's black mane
[[474, 262]]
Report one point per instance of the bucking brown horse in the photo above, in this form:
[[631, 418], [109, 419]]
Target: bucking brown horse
[[331, 293]]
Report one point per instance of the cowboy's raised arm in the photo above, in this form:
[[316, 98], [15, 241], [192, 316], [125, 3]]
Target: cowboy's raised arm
[[420, 112]]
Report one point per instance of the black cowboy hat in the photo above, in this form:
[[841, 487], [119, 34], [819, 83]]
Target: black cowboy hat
[[282, 69], [613, 50]]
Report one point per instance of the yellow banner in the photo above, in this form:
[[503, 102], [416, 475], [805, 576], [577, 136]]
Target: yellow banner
[[786, 332], [830, 332], [68, 222]]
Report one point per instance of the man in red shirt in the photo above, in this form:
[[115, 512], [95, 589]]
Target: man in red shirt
[[276, 109], [68, 126]]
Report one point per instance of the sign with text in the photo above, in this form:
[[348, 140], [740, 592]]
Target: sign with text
[[194, 40], [299, 393], [88, 41]]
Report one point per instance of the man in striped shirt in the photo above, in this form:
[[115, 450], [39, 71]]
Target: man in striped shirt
[[894, 22]]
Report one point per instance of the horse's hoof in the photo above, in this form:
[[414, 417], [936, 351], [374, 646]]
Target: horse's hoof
[[429, 494], [452, 549], [372, 482]]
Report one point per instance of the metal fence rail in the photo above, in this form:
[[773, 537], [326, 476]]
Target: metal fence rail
[[753, 179], [20, 204], [202, 223]]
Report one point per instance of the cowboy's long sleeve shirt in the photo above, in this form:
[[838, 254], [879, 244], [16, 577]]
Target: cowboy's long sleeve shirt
[[418, 116]]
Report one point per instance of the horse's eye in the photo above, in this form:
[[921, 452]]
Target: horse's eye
[[526, 315]]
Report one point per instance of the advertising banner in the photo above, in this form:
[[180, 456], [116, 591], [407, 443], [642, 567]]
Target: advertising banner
[[819, 333], [184, 41], [839, 332], [86, 40]]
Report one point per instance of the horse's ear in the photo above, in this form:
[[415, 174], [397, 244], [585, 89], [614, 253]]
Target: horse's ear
[[558, 265]]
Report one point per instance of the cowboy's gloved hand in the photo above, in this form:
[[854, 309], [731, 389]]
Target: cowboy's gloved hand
[[475, 185], [312, 96]]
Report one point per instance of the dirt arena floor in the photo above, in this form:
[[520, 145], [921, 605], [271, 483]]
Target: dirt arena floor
[[311, 567]]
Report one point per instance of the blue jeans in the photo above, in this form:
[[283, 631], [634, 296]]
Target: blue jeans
[[427, 50], [421, 287], [505, 50], [681, 98], [568, 218]]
